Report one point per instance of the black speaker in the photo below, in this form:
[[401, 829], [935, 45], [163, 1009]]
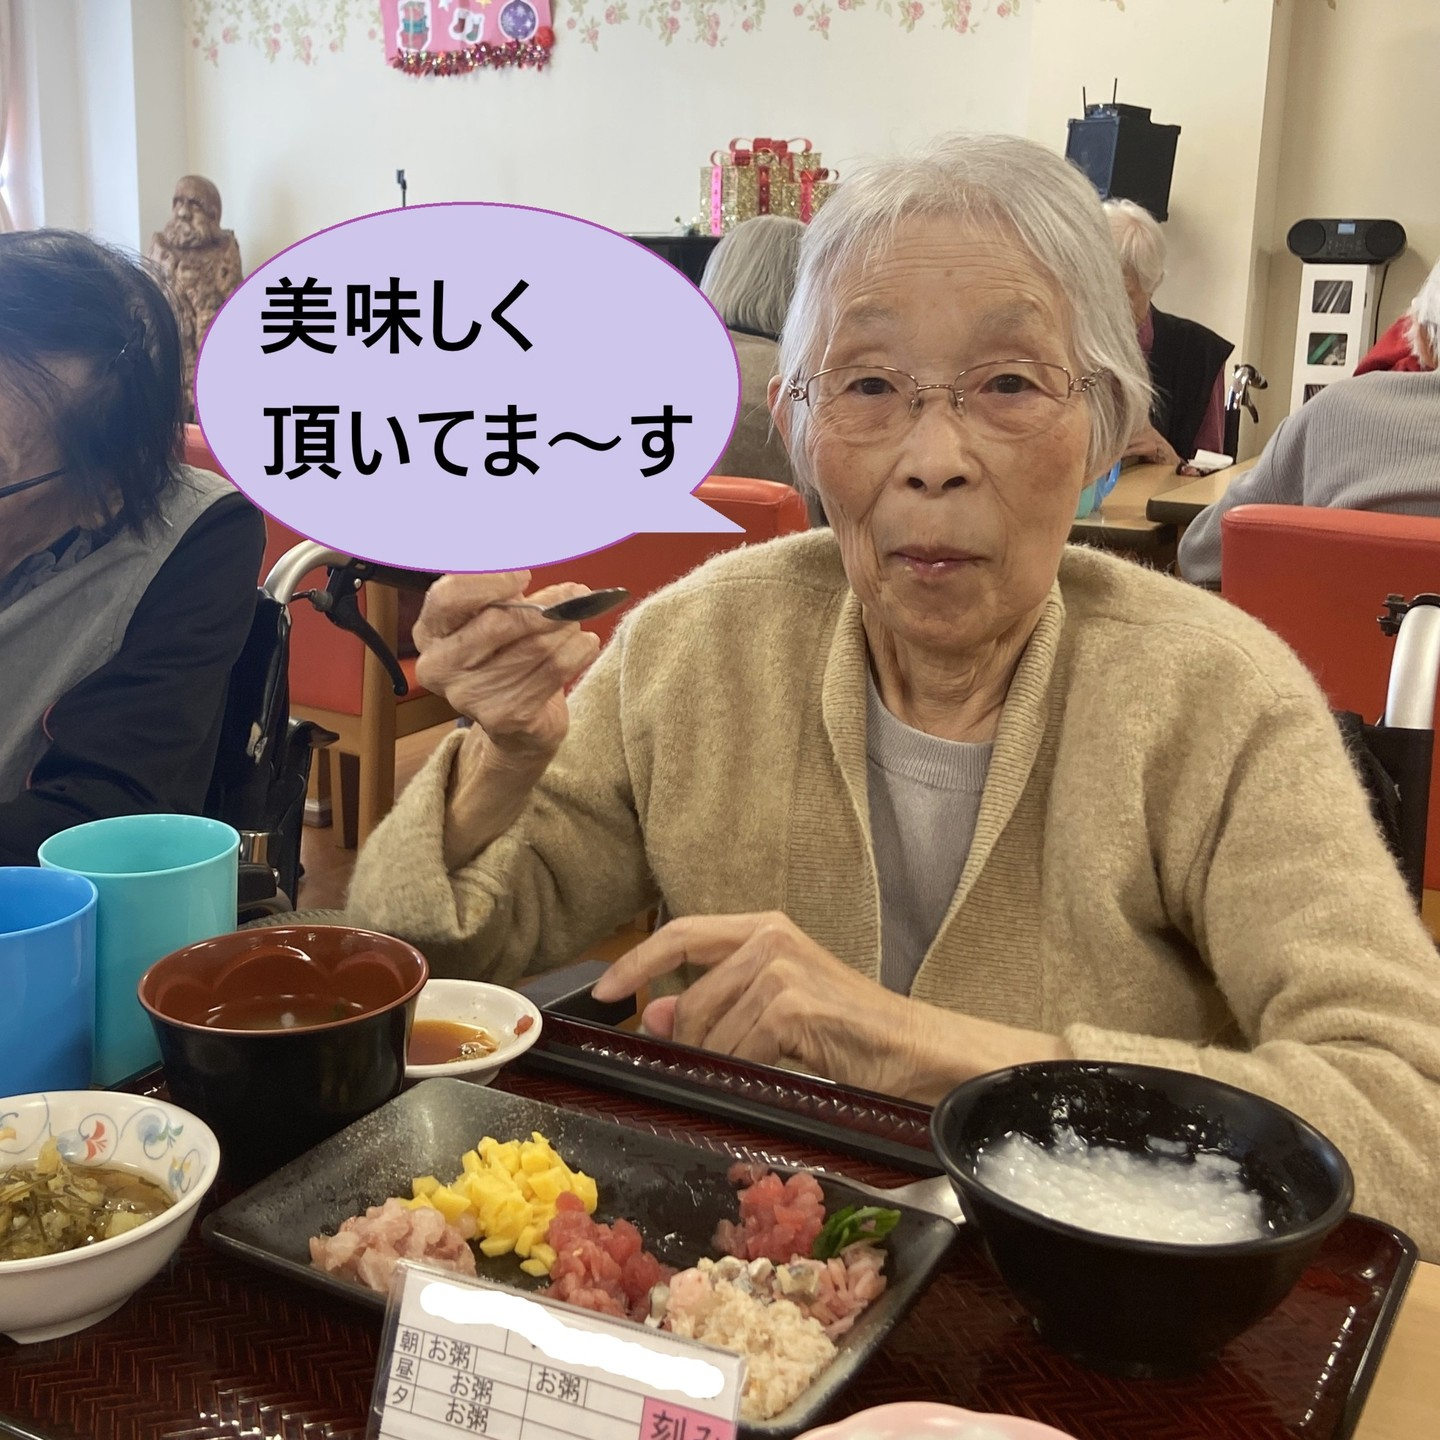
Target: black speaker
[[1126, 155], [1346, 242], [1306, 239]]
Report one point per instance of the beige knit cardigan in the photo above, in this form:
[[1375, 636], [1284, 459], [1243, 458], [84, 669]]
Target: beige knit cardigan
[[1173, 862]]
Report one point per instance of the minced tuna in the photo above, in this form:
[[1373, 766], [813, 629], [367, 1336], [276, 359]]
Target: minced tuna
[[605, 1268], [779, 1219]]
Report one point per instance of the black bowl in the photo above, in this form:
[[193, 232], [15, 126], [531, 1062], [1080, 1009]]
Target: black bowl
[[277, 1038], [1142, 1307]]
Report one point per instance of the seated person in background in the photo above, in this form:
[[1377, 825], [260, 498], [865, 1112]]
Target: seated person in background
[[1366, 443], [1187, 361], [127, 581], [749, 279], [931, 793], [1392, 351]]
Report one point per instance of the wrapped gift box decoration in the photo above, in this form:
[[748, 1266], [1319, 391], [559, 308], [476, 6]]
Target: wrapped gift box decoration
[[801, 193], [759, 177]]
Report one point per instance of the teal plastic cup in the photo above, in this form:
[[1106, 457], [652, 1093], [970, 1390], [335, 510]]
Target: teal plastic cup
[[47, 979], [164, 881]]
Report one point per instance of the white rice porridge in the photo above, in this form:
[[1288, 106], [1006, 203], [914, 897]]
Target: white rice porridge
[[1161, 1195]]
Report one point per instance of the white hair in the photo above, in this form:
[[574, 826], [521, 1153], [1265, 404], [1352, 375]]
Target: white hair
[[750, 275], [1425, 320], [999, 183], [1139, 240]]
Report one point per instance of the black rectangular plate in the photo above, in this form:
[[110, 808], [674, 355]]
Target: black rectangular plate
[[675, 1193]]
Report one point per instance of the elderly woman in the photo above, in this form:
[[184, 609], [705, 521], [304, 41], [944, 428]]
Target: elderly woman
[[1370, 443], [931, 793], [749, 279], [127, 582], [1186, 361]]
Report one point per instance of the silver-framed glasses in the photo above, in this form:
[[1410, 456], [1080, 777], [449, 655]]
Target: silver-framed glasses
[[1004, 399]]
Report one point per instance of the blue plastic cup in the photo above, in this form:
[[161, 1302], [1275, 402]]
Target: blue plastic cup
[[47, 979], [164, 881]]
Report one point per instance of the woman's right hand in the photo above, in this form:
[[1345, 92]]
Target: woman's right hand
[[508, 671], [505, 669]]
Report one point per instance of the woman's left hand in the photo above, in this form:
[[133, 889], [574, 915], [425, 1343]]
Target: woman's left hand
[[772, 995]]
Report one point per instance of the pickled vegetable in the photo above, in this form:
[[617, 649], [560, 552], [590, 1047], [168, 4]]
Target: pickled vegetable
[[48, 1207]]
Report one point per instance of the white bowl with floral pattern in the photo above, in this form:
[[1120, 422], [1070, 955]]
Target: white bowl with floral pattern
[[55, 1295]]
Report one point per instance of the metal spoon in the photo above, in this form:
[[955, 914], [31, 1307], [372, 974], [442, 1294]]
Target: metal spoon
[[936, 1195], [578, 607]]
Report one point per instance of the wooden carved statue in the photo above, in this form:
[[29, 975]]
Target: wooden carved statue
[[201, 262]]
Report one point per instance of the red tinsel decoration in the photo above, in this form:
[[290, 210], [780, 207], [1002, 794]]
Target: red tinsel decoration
[[531, 54]]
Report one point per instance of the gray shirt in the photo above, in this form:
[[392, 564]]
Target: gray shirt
[[924, 800], [1368, 443], [64, 616]]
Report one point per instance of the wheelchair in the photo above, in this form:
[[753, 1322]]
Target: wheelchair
[[262, 767], [1393, 756]]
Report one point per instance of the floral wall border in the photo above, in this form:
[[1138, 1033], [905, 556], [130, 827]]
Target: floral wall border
[[307, 30]]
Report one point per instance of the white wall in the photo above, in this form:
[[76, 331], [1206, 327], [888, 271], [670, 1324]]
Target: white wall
[[106, 83], [48, 168], [617, 136], [1202, 65], [99, 138], [158, 56], [1360, 137]]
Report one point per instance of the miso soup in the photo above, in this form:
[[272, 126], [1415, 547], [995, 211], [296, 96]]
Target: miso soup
[[281, 1012]]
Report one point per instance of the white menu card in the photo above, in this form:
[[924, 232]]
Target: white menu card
[[464, 1357]]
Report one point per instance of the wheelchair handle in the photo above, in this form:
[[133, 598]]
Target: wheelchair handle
[[338, 600], [295, 564], [1415, 667]]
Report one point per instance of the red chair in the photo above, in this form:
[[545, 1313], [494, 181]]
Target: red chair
[[1319, 578], [646, 563]]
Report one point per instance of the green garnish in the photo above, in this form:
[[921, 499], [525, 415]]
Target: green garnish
[[845, 1227]]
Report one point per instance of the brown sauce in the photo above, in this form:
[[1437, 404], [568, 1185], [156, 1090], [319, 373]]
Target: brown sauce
[[441, 1042]]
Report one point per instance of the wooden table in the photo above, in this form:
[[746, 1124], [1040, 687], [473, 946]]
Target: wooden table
[[1181, 505], [1404, 1402], [1121, 523]]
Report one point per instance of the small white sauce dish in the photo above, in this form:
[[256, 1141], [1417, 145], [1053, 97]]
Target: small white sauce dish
[[492, 1008]]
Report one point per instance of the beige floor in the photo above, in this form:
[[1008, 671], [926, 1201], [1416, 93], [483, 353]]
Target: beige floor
[[327, 865]]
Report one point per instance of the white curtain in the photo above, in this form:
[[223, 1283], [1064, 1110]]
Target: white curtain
[[6, 89]]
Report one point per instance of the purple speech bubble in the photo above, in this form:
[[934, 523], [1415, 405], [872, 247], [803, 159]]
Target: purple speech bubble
[[603, 343]]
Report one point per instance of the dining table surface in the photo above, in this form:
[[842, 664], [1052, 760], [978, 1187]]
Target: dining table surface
[[1121, 522], [1184, 502], [216, 1349], [1404, 1402]]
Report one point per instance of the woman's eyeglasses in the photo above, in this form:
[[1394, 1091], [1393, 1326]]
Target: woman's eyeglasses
[[1005, 399], [20, 485]]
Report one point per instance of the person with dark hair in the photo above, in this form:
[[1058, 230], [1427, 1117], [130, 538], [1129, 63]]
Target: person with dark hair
[[127, 580]]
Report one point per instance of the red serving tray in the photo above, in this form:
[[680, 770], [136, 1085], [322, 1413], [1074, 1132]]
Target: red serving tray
[[217, 1350]]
